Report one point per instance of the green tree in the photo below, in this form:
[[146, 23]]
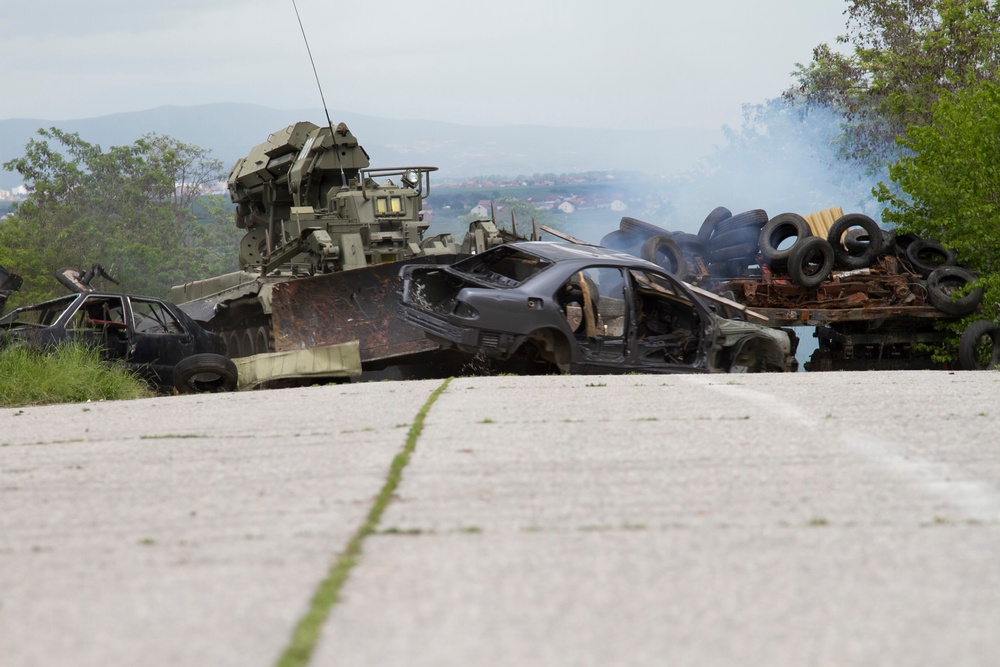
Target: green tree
[[896, 59], [128, 208], [951, 181]]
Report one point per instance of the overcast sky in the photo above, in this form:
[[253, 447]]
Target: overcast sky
[[647, 64]]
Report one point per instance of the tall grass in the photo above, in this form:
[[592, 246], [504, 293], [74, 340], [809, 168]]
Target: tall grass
[[70, 373]]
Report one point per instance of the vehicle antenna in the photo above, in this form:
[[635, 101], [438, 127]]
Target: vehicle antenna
[[313, 63], [333, 134]]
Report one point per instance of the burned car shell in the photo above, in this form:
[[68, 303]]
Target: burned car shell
[[582, 309], [149, 335]]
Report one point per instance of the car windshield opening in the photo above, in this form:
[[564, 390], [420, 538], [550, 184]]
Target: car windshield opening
[[41, 315]]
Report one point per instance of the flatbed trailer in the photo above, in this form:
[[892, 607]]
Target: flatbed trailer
[[870, 319]]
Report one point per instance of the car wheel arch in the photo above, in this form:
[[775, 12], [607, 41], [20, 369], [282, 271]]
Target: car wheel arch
[[553, 344], [767, 354]]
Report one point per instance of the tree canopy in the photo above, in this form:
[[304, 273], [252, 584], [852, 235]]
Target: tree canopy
[[896, 59], [951, 181], [129, 208], [917, 86]]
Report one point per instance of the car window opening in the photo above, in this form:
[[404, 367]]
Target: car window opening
[[668, 326], [594, 303]]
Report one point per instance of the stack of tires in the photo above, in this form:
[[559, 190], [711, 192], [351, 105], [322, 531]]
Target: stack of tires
[[732, 240], [676, 252], [853, 242]]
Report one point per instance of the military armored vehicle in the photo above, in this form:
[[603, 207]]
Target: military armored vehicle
[[319, 263]]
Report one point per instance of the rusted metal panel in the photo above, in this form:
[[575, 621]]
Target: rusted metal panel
[[880, 291], [815, 316], [336, 308]]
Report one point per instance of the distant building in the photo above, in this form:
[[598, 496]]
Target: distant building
[[482, 209]]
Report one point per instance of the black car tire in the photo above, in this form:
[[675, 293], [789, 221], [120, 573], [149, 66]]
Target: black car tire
[[745, 253], [971, 355], [666, 253], [691, 243], [718, 214], [843, 257], [205, 373], [811, 261], [734, 237], [944, 281], [637, 226], [776, 231], [927, 254], [753, 219], [627, 242]]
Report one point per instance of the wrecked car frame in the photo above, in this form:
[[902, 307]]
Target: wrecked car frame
[[150, 336], [543, 307]]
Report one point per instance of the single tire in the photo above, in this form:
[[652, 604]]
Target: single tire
[[754, 219], [717, 215], [944, 282], [745, 253], [843, 257], [979, 346], [642, 227], [926, 255], [691, 244], [201, 373], [666, 253], [735, 237], [627, 242], [856, 241], [776, 231], [811, 261]]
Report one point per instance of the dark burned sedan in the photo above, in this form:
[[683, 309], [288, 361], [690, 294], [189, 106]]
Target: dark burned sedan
[[152, 337], [582, 309]]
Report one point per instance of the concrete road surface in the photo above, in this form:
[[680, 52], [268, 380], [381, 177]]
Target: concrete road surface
[[806, 519]]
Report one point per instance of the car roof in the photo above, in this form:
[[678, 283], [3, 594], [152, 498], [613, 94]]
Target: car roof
[[567, 251]]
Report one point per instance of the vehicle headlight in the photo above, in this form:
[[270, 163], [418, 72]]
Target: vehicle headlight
[[411, 177]]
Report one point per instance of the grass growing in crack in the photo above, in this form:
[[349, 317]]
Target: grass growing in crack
[[402, 531], [306, 632]]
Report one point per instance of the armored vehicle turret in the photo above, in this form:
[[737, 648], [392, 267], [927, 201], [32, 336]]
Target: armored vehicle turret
[[319, 261]]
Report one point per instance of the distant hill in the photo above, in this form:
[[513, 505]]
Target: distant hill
[[231, 130]]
